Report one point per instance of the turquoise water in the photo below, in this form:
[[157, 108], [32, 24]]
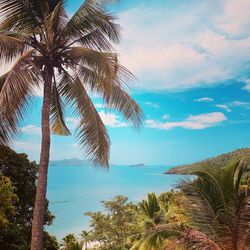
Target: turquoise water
[[72, 191]]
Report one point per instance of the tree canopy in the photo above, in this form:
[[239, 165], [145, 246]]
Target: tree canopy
[[18, 178]]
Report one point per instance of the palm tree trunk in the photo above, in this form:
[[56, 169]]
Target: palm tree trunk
[[40, 202]]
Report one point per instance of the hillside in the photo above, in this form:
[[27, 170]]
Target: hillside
[[220, 160]]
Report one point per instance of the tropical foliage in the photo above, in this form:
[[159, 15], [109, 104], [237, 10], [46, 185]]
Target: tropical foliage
[[219, 207], [211, 212], [70, 242], [17, 196], [114, 227], [160, 220], [86, 238], [220, 160], [146, 225], [7, 198]]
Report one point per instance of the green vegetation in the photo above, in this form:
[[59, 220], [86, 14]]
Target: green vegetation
[[211, 211], [218, 161], [17, 196], [219, 206], [113, 228], [70, 243], [126, 225], [7, 199], [161, 218]]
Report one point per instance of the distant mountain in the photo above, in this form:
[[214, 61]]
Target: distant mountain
[[138, 165], [71, 162], [221, 160]]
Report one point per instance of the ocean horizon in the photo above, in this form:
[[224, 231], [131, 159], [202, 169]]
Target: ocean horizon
[[75, 190]]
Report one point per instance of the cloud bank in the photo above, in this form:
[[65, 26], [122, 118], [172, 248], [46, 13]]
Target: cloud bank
[[186, 44]]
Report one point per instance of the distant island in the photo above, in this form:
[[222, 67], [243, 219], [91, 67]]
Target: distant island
[[71, 162], [138, 165], [221, 160]]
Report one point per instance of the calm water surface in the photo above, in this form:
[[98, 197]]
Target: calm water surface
[[72, 191]]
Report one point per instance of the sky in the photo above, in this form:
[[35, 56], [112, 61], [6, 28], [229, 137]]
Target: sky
[[192, 63]]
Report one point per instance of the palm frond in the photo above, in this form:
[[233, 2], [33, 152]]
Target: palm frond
[[155, 238], [242, 229], [57, 120], [219, 207], [2, 80], [199, 209], [114, 94], [10, 48], [94, 39], [14, 96], [120, 100], [90, 16], [55, 21], [18, 15], [102, 63], [196, 240], [90, 132]]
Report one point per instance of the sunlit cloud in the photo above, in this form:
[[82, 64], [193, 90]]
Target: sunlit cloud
[[194, 122], [108, 119], [201, 43], [204, 99], [241, 104], [247, 84], [223, 106], [112, 120], [152, 104], [166, 116], [31, 130]]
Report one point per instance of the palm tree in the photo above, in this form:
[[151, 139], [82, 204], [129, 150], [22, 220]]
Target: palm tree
[[69, 57], [219, 207], [156, 223], [70, 243], [86, 237]]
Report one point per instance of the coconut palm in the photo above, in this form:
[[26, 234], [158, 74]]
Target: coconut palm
[[70, 243], [86, 237], [69, 57], [156, 223], [219, 207]]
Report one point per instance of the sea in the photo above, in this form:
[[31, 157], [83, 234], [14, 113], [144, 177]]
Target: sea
[[75, 190]]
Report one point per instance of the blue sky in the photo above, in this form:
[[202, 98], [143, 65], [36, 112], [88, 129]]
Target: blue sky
[[191, 59]]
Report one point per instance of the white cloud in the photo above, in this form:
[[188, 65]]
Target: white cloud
[[112, 120], [183, 46], [241, 104], [109, 120], [194, 122], [247, 84], [166, 116], [152, 104], [234, 20], [31, 130], [204, 99], [223, 106]]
